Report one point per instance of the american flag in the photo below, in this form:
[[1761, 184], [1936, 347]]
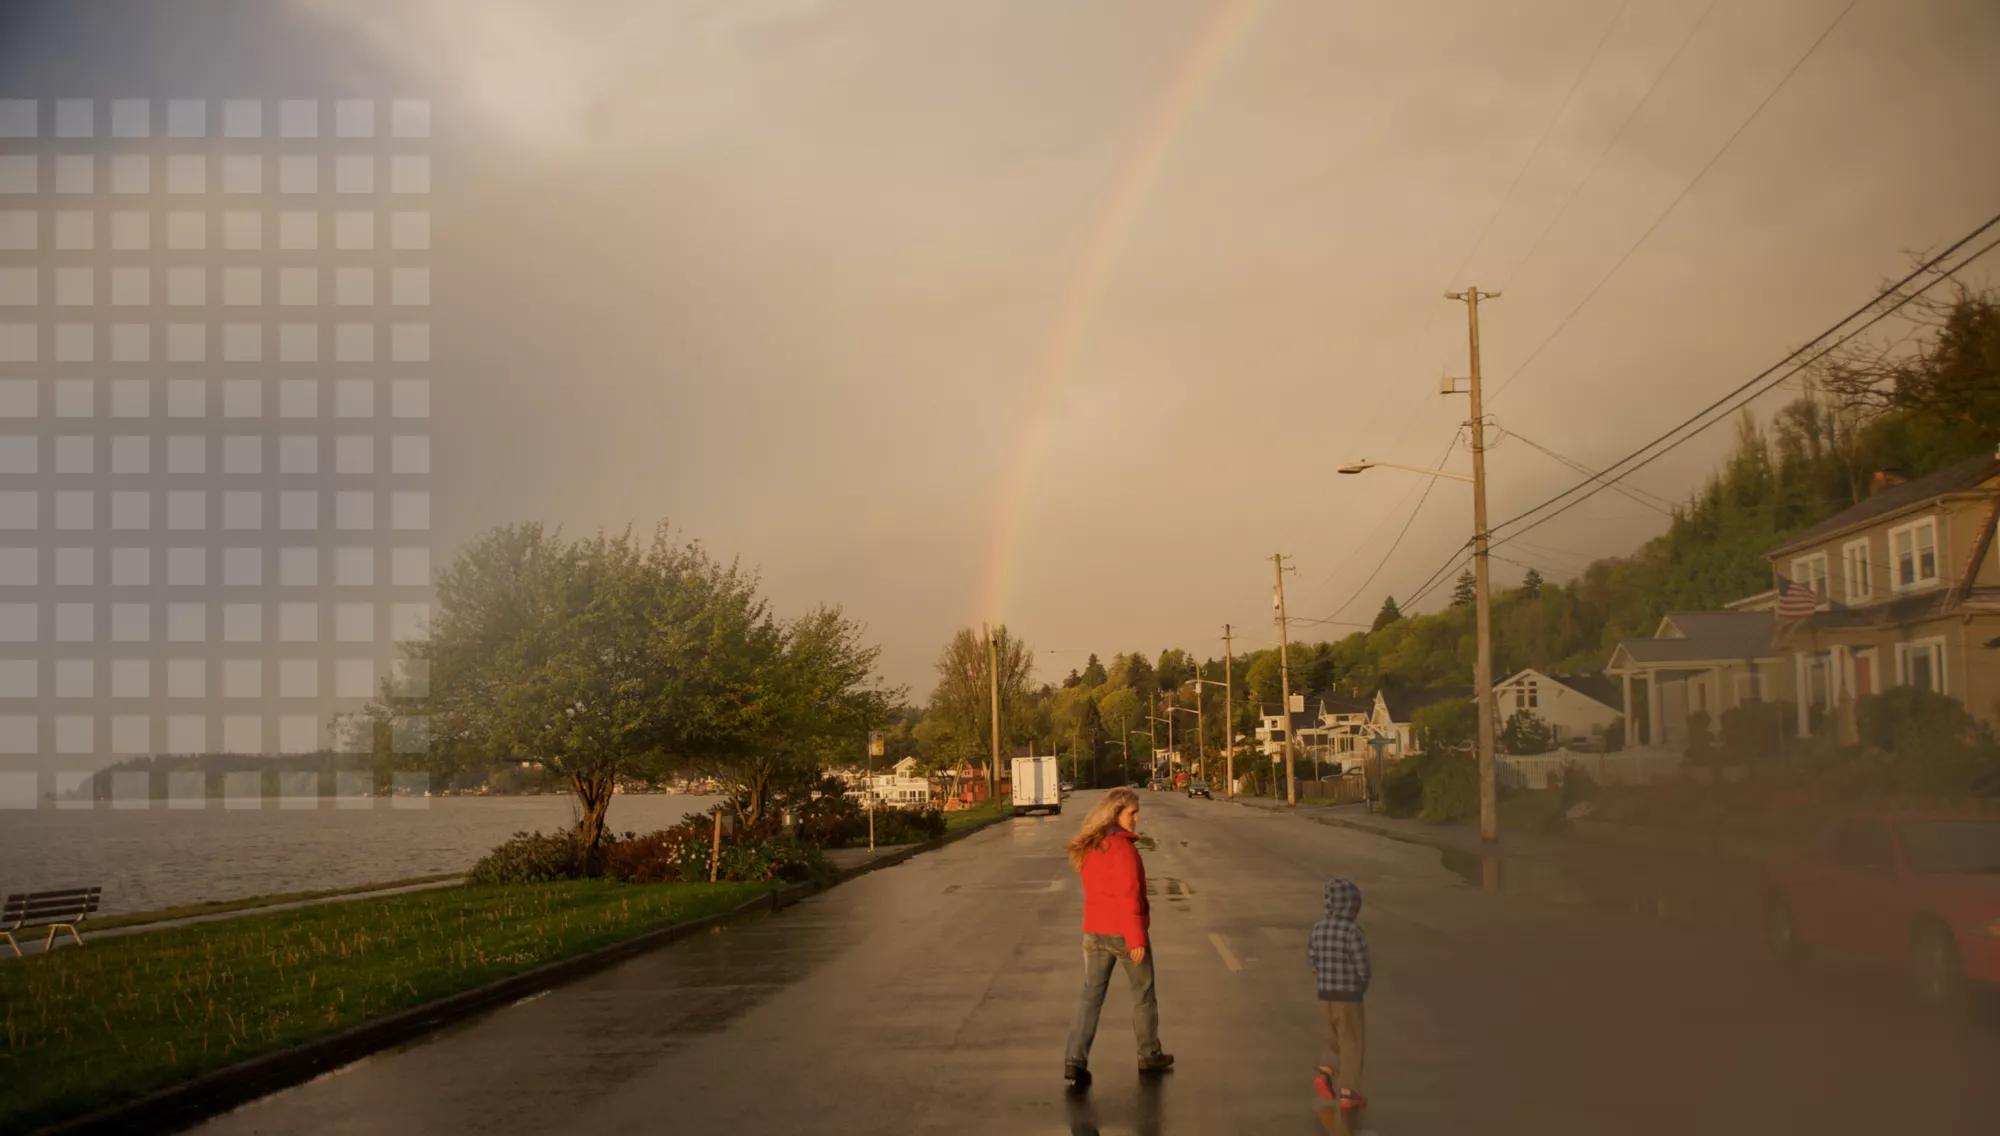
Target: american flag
[[1796, 601]]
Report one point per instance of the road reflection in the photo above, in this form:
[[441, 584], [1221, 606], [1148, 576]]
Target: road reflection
[[1088, 1115]]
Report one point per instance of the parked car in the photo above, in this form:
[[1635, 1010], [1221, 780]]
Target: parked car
[[1198, 789], [1068, 786], [1156, 785], [1923, 890]]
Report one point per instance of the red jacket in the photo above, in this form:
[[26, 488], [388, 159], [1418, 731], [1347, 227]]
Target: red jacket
[[1114, 891]]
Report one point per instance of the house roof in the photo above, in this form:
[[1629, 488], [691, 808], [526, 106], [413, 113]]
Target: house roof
[[1404, 704], [1346, 705], [1707, 635], [1596, 687], [1955, 478]]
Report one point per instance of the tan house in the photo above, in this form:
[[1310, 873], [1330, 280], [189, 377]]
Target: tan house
[[1908, 585]]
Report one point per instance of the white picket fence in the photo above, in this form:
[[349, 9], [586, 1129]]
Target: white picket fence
[[1626, 767]]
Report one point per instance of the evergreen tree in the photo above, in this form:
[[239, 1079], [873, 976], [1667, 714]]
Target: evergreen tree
[[1531, 584], [1389, 614], [1465, 591], [1093, 671]]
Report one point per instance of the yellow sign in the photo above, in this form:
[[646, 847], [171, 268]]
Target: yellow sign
[[876, 746]]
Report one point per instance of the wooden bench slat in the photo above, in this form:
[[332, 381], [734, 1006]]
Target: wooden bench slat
[[53, 893]]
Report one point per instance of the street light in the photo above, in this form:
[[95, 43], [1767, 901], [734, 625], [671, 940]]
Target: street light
[[1365, 465], [1201, 729], [1201, 748]]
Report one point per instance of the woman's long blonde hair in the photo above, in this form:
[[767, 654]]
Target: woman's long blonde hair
[[1100, 823]]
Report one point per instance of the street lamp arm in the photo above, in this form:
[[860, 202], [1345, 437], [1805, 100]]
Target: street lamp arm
[[1365, 465]]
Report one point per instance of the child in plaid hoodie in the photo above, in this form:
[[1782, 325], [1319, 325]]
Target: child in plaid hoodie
[[1339, 954]]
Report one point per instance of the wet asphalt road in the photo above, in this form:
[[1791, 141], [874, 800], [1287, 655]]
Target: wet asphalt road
[[933, 997]]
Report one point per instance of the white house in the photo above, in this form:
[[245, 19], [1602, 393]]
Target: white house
[[902, 787], [1577, 708]]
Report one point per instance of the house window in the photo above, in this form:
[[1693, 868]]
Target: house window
[[1913, 550], [1855, 568], [1526, 696], [1921, 664], [1811, 571]]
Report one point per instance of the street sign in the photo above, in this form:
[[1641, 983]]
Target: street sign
[[876, 746]]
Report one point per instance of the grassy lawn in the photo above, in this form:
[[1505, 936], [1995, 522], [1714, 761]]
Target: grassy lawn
[[246, 903], [87, 1027], [977, 816]]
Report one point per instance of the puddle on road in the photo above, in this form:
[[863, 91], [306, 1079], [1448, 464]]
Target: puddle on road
[[1702, 893]]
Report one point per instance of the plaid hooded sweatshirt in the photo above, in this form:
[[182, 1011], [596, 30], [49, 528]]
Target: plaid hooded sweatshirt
[[1338, 949]]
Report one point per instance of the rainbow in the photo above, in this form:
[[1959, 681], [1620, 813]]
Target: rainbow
[[1084, 294]]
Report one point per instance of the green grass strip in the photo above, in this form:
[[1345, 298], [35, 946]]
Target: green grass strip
[[252, 902], [977, 816], [83, 1028]]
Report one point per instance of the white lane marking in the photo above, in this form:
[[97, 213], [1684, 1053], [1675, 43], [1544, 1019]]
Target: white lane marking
[[1054, 884], [1228, 956]]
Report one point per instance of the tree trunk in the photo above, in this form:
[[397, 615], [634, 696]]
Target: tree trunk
[[759, 786], [593, 796]]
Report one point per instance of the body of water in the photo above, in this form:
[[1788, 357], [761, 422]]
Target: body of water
[[160, 857]]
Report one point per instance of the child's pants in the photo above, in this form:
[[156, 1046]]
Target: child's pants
[[1346, 1043]]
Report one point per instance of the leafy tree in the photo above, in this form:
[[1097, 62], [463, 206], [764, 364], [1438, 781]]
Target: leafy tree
[[1131, 669], [1951, 377], [597, 659], [964, 695], [1526, 733], [1175, 668], [1389, 614], [1447, 725], [813, 697]]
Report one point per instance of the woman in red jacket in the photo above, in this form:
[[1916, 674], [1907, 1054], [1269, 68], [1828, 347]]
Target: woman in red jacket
[[1115, 920]]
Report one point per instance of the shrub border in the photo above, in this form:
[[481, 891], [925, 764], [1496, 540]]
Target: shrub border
[[181, 1106]]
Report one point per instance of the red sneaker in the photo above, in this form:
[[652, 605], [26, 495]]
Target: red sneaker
[[1351, 1100], [1323, 1086]]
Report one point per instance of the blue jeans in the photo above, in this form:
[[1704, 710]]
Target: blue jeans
[[1100, 954]]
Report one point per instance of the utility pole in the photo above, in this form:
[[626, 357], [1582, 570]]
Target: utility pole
[[1228, 711], [1125, 739], [1482, 675], [993, 677], [1284, 677]]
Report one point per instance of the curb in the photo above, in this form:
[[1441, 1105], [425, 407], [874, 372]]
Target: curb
[[183, 1105]]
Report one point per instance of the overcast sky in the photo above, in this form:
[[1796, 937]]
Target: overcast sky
[[1065, 313]]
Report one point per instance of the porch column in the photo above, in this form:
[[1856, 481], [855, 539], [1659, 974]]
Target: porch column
[[1652, 708], [1626, 725], [1802, 675]]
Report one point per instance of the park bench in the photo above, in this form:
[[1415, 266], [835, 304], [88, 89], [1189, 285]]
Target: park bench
[[57, 910]]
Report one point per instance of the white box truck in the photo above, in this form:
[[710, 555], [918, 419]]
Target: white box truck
[[1037, 784]]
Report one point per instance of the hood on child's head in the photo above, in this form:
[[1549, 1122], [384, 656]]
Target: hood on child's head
[[1343, 898]]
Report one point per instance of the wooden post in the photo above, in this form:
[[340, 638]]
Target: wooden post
[[715, 846]]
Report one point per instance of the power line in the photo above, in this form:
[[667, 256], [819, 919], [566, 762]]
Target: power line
[[1635, 493], [1429, 484], [1678, 198], [1616, 137], [1506, 198], [1759, 383], [1456, 558]]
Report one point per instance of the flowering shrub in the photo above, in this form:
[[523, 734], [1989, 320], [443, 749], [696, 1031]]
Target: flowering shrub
[[681, 853], [530, 857]]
